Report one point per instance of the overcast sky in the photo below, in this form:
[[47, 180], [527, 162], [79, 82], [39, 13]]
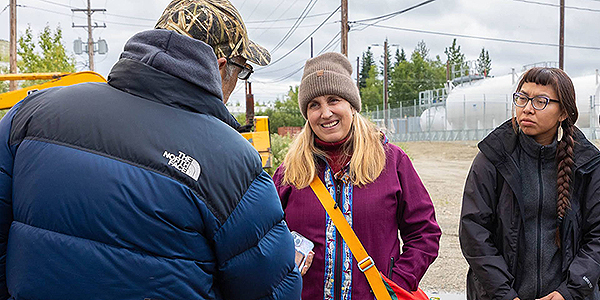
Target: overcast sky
[[515, 32]]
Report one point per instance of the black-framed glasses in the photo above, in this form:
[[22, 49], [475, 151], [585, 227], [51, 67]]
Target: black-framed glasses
[[538, 102], [246, 69]]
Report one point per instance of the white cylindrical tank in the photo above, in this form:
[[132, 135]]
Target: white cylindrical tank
[[586, 89], [434, 119], [482, 104], [487, 103]]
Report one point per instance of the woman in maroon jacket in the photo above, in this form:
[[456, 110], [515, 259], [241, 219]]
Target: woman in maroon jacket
[[372, 181]]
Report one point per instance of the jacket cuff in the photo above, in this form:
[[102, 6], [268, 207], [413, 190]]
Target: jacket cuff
[[564, 291], [512, 294], [401, 282]]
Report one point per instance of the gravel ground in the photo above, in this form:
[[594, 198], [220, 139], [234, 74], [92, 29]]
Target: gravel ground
[[443, 168]]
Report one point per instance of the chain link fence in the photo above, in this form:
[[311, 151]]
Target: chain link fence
[[469, 118]]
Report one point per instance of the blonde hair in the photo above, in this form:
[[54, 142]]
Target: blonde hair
[[364, 145]]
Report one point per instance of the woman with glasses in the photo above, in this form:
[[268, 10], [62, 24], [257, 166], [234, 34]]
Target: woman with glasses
[[530, 220]]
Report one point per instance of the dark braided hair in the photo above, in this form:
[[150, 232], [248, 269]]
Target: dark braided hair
[[564, 157], [563, 86]]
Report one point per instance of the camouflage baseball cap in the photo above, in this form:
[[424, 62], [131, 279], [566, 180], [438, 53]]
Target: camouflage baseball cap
[[215, 22]]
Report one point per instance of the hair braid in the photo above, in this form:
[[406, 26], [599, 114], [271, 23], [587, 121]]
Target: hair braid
[[564, 156]]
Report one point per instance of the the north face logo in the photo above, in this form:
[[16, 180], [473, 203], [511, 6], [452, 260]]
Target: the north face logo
[[186, 164]]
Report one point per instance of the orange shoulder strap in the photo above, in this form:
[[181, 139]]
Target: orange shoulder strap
[[365, 262]]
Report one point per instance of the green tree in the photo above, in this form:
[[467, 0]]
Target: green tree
[[422, 49], [3, 84], [47, 54], [456, 59], [372, 94], [279, 147], [411, 77], [484, 63], [367, 62], [401, 89], [400, 56], [285, 112]]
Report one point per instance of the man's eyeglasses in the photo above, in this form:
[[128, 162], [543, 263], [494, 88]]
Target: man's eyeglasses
[[246, 69], [538, 102]]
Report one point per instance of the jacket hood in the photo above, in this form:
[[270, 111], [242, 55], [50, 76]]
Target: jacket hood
[[189, 59], [166, 67]]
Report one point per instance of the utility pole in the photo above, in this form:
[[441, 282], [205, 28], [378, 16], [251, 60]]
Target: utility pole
[[358, 72], [385, 83], [249, 104], [561, 47], [311, 47], [345, 27], [89, 11], [385, 78], [12, 85]]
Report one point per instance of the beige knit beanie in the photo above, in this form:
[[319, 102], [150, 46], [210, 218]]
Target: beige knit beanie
[[328, 74]]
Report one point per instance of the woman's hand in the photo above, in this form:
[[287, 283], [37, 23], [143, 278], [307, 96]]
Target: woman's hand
[[553, 296], [309, 259]]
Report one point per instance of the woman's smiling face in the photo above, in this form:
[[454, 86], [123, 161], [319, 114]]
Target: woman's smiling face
[[330, 117]]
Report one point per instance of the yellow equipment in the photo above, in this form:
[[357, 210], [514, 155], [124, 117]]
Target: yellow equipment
[[261, 140], [9, 99]]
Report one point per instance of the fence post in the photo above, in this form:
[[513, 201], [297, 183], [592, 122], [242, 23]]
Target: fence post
[[484, 118], [506, 108], [415, 107], [592, 118], [465, 112]]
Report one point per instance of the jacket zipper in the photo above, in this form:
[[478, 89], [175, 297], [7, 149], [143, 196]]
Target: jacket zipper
[[539, 228], [337, 279]]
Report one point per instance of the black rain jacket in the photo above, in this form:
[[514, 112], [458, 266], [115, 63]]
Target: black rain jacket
[[491, 224]]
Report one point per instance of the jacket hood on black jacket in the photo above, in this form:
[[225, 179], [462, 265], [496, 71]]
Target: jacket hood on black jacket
[[501, 142], [166, 67]]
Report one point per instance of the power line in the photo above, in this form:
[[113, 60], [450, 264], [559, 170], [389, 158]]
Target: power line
[[391, 15], [130, 17], [242, 4], [55, 3], [327, 47], [272, 23], [286, 27], [257, 5], [293, 49], [288, 19], [557, 5], [272, 11], [332, 42], [4, 8], [483, 38], [300, 19], [80, 17], [108, 14], [282, 69], [283, 78], [51, 11]]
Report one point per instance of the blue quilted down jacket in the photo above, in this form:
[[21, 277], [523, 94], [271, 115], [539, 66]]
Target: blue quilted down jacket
[[139, 188]]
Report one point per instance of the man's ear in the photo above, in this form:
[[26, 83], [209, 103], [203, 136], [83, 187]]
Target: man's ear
[[222, 63]]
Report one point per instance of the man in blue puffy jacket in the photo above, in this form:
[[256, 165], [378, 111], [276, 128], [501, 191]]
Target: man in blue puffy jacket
[[141, 188]]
